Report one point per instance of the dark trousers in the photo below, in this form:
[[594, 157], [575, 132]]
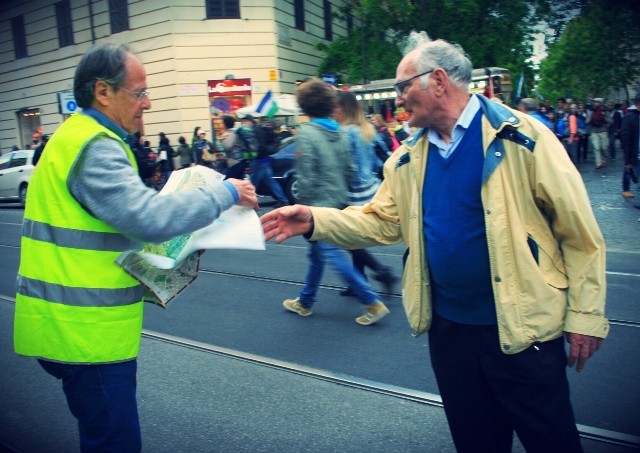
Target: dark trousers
[[363, 259], [626, 177], [236, 171], [488, 394], [583, 147], [103, 400]]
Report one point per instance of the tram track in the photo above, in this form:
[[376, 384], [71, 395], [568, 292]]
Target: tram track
[[261, 278]]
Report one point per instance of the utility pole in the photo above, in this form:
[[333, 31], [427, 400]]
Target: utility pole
[[93, 33]]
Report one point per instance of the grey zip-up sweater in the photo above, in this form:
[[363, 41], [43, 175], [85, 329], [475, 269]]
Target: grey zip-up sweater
[[324, 166], [105, 183]]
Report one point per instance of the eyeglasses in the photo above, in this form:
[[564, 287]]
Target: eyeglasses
[[402, 85], [140, 95]]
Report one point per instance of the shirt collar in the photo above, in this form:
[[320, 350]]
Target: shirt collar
[[105, 121], [467, 115]]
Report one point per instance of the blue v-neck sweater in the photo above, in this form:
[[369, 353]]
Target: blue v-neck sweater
[[455, 234]]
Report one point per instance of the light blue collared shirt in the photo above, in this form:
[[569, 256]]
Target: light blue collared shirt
[[107, 122], [459, 129]]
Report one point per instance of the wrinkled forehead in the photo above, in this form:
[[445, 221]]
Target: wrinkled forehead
[[407, 67]]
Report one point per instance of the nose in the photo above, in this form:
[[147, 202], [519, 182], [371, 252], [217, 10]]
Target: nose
[[399, 101], [146, 103]]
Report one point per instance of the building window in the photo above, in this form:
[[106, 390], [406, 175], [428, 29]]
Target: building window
[[19, 37], [223, 9], [65, 28], [298, 7], [349, 21], [328, 27], [119, 15]]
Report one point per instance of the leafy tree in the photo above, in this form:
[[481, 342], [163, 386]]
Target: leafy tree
[[492, 32], [598, 50]]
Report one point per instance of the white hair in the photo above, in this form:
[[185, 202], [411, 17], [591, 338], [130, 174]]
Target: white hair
[[440, 54]]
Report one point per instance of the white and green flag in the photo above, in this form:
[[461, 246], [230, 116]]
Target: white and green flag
[[267, 106]]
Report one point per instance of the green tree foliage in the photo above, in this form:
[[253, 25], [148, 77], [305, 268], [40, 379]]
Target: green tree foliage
[[598, 50], [492, 32]]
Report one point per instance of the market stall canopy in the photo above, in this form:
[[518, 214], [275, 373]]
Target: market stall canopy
[[287, 106]]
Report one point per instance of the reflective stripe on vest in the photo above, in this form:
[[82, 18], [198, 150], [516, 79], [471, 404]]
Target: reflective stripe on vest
[[73, 303], [79, 297], [67, 237]]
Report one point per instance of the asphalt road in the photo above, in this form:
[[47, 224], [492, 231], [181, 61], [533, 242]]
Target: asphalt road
[[236, 303]]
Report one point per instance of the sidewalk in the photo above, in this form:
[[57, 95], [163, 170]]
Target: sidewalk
[[616, 215]]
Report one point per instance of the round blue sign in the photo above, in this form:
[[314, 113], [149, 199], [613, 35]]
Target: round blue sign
[[71, 106]]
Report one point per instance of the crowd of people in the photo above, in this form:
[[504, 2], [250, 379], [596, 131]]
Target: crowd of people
[[226, 153], [592, 128]]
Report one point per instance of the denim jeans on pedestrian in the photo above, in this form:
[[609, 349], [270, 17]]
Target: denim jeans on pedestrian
[[320, 253], [572, 150], [626, 177], [261, 171], [102, 397]]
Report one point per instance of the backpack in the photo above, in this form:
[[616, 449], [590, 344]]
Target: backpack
[[270, 139], [562, 128], [248, 142], [597, 118]]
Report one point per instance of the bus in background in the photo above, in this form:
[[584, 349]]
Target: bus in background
[[374, 94], [500, 87]]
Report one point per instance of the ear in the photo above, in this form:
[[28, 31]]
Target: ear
[[441, 80], [101, 91]]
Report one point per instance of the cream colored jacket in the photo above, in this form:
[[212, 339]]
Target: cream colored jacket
[[546, 251]]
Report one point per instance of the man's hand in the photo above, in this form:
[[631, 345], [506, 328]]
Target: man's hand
[[247, 193], [581, 347], [287, 222]]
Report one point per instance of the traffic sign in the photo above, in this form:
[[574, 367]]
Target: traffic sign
[[328, 78], [67, 103]]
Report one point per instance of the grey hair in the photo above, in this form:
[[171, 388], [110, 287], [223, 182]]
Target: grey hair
[[440, 54], [104, 61], [529, 104]]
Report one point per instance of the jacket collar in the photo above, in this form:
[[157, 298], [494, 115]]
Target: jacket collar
[[497, 114]]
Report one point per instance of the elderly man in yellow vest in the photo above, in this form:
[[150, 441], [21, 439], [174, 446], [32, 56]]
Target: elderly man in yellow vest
[[77, 311]]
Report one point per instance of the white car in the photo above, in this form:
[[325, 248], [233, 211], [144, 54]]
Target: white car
[[16, 168]]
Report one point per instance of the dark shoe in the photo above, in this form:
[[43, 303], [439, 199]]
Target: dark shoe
[[280, 204], [348, 292], [387, 279]]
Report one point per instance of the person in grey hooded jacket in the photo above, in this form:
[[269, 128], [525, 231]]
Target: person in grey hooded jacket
[[325, 168]]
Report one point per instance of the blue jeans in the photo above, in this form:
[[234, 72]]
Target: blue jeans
[[626, 177], [320, 252], [262, 170], [102, 398]]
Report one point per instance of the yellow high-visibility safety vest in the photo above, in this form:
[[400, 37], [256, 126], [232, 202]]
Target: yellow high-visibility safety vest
[[73, 303]]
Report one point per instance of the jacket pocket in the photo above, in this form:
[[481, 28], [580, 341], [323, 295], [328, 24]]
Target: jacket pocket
[[549, 260]]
